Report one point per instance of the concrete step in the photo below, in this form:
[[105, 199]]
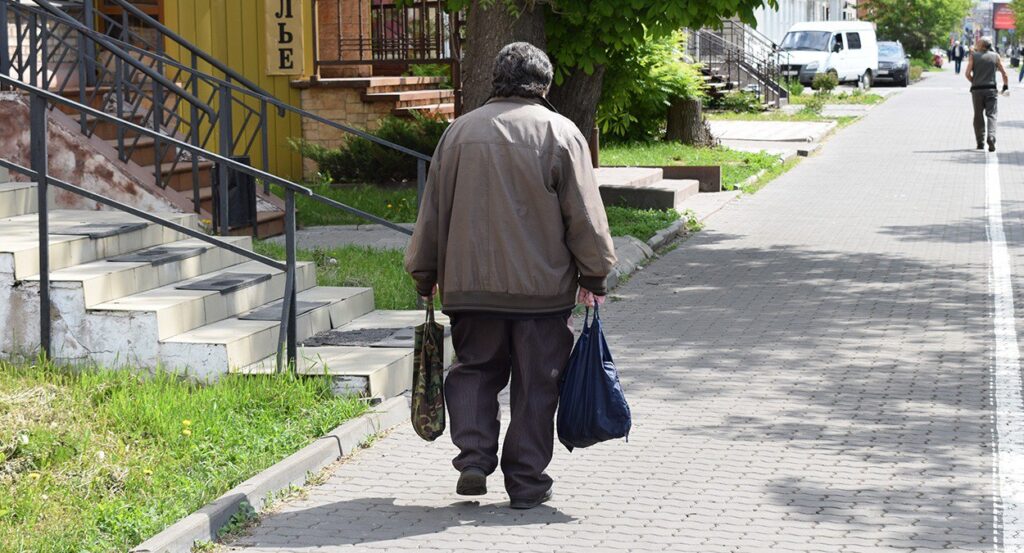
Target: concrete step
[[105, 280], [358, 371], [234, 343], [17, 198], [169, 310], [179, 175], [413, 98], [373, 358], [375, 85], [618, 176], [19, 249], [143, 151], [664, 194]]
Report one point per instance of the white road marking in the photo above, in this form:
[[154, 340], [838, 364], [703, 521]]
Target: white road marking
[[1009, 425]]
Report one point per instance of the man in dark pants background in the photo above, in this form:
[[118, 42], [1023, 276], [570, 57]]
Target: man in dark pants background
[[513, 232], [981, 72], [956, 55]]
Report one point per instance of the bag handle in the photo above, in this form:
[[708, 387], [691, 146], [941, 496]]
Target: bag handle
[[430, 310]]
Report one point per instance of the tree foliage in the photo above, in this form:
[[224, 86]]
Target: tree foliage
[[1018, 14], [638, 91], [919, 24], [585, 34]]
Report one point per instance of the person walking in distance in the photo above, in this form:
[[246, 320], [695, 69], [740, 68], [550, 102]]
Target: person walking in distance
[[956, 55], [981, 72], [513, 233]]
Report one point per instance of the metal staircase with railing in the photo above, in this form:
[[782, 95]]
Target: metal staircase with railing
[[736, 56], [126, 286]]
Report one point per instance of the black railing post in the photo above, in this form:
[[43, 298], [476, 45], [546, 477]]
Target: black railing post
[[265, 140], [193, 111], [82, 77], [226, 150], [119, 81], [5, 46], [33, 50], [287, 342], [158, 124], [421, 181], [37, 151], [90, 49]]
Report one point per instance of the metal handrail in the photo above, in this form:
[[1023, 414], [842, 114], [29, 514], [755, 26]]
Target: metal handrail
[[167, 83], [710, 47], [192, 49], [40, 100]]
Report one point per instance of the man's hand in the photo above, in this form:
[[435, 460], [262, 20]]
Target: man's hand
[[430, 298], [587, 298]]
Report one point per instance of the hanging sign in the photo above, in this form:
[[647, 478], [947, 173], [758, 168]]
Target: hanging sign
[[285, 49]]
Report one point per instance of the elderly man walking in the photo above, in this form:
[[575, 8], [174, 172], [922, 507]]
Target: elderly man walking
[[981, 72], [513, 233]]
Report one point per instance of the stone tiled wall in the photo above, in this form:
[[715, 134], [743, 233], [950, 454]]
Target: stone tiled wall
[[343, 105]]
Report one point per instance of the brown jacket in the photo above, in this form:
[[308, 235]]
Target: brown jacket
[[512, 220]]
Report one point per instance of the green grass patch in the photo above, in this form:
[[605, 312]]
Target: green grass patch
[[736, 166], [640, 223], [99, 460], [394, 203], [855, 98], [359, 266], [770, 175], [800, 116]]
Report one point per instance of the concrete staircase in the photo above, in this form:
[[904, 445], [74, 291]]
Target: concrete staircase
[[406, 94], [125, 291], [644, 188]]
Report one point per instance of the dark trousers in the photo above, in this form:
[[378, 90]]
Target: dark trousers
[[956, 65], [533, 352], [986, 102]]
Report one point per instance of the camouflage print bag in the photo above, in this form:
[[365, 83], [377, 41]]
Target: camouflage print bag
[[428, 379]]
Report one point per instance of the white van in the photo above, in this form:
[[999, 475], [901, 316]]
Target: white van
[[849, 49]]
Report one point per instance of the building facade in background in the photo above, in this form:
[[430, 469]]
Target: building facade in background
[[774, 23]]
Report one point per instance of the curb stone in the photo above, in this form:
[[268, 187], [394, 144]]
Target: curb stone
[[203, 524], [632, 253], [665, 235]]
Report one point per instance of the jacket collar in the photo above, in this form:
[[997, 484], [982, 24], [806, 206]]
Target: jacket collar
[[524, 101]]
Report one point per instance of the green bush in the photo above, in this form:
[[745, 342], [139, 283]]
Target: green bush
[[794, 87], [916, 73], [813, 104], [741, 101], [360, 160], [432, 70], [637, 90], [825, 83]]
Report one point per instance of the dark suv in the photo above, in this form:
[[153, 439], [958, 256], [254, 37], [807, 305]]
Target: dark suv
[[893, 65]]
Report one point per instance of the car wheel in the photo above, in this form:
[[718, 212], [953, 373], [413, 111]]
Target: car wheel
[[866, 80], [905, 80]]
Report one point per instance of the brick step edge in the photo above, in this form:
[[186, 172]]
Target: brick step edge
[[294, 470]]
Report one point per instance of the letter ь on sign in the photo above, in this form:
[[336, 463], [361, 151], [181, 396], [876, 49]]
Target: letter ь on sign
[[285, 44]]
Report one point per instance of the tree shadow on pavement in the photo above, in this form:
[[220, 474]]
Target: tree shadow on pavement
[[854, 383], [379, 519]]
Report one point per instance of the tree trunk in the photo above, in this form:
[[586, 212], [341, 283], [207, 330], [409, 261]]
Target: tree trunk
[[488, 29], [686, 123], [577, 98]]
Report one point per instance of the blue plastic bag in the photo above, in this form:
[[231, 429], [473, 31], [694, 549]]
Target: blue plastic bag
[[591, 405]]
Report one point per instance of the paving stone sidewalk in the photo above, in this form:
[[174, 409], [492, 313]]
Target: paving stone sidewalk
[[809, 373]]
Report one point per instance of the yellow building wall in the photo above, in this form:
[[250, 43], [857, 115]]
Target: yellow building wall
[[234, 32]]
